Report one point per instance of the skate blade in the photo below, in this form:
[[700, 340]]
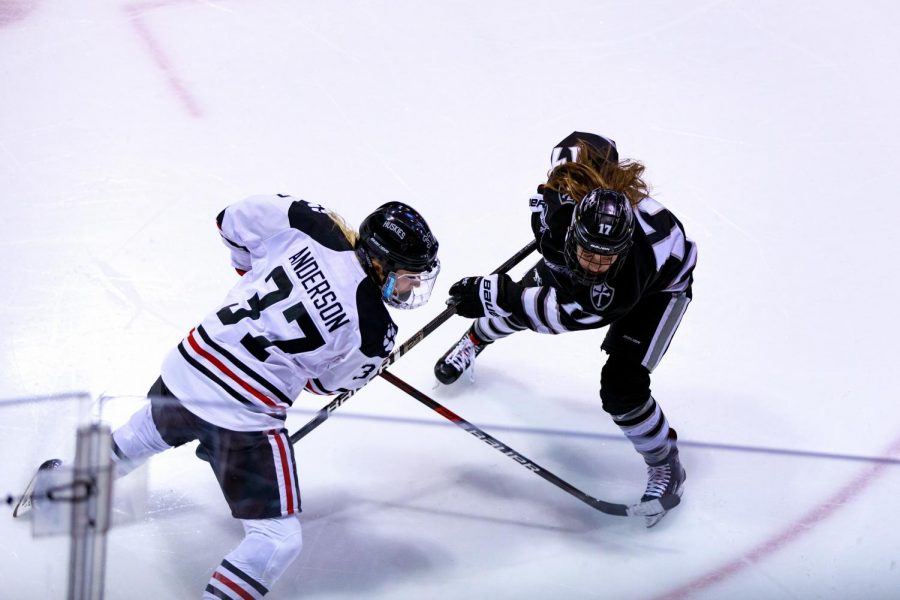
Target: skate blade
[[652, 520]]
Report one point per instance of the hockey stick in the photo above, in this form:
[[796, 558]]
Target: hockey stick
[[408, 345], [651, 507]]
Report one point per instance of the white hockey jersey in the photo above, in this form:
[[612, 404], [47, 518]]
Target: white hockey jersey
[[303, 316]]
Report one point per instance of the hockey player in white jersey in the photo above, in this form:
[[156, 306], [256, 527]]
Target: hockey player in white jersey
[[308, 314], [611, 256]]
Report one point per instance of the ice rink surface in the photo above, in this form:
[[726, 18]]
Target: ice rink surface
[[769, 128]]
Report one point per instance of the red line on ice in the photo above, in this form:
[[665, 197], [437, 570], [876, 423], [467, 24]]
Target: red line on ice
[[790, 533], [136, 17]]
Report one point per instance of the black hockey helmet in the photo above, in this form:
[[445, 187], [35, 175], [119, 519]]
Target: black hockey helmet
[[567, 149], [397, 236], [602, 224]]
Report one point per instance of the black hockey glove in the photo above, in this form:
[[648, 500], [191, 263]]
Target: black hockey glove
[[491, 296]]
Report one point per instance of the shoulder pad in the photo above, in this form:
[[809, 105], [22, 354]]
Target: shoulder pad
[[314, 220]]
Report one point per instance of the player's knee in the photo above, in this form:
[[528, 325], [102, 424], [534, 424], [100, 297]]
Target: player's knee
[[624, 385], [271, 545]]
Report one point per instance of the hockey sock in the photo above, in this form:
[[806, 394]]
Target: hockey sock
[[489, 329], [648, 429], [248, 571], [135, 441]]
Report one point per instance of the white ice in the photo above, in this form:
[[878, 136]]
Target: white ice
[[770, 128]]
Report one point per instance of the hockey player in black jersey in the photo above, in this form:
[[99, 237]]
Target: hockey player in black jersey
[[611, 256], [308, 313]]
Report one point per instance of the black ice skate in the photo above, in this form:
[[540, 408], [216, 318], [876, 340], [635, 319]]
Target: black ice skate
[[664, 479], [459, 358]]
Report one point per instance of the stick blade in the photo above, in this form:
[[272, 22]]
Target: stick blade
[[23, 506]]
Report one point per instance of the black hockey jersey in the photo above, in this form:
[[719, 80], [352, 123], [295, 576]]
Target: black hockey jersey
[[304, 316], [661, 259]]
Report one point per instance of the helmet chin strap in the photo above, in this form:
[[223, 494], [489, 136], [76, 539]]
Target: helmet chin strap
[[586, 278]]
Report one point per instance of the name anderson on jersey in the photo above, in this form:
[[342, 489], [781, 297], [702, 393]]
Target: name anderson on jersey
[[319, 290]]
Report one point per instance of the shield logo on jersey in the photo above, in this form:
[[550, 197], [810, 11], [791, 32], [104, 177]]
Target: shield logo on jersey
[[601, 295]]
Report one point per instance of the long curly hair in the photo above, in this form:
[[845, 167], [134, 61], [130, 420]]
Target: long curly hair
[[590, 170]]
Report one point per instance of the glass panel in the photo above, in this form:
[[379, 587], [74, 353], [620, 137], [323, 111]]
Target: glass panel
[[33, 430]]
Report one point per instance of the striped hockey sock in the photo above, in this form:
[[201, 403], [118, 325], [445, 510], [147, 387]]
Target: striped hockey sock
[[267, 550], [230, 583], [648, 429], [490, 329]]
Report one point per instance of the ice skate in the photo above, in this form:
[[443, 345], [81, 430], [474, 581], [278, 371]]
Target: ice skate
[[664, 479], [459, 358]]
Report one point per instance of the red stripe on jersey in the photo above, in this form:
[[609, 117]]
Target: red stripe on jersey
[[232, 585], [309, 387], [221, 366], [286, 473]]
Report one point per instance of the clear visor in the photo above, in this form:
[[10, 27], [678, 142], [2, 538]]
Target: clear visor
[[407, 289]]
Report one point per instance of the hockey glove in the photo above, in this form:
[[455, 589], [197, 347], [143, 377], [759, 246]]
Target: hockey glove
[[491, 296]]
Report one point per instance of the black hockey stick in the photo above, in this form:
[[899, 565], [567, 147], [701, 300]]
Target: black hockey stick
[[651, 507], [408, 345]]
